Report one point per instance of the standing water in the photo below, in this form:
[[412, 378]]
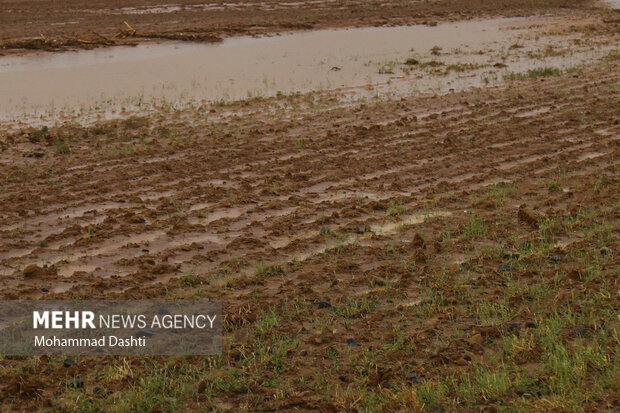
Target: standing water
[[238, 68]]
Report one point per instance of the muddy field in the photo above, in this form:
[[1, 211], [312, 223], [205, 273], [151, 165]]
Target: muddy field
[[42, 25], [441, 235]]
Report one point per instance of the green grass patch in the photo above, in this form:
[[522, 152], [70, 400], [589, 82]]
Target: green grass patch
[[534, 73]]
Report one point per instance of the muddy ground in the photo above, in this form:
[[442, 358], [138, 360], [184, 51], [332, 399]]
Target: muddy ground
[[453, 251], [43, 25]]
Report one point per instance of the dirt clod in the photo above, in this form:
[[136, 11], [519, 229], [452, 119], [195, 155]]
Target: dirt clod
[[34, 271], [529, 216], [418, 241]]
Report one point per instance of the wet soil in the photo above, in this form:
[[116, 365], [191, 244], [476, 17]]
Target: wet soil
[[181, 191], [42, 25], [451, 250], [235, 206]]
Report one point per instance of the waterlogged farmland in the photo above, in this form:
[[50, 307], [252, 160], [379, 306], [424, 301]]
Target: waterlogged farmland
[[402, 207]]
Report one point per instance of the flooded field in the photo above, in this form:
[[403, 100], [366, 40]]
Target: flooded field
[[362, 62], [413, 217]]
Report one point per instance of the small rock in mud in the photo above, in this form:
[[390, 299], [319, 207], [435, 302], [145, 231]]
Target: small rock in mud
[[35, 154], [145, 332], [504, 266], [351, 342], [75, 382], [323, 304], [68, 362], [605, 251], [45, 290], [335, 69], [514, 327], [412, 377], [411, 62], [325, 231], [500, 65]]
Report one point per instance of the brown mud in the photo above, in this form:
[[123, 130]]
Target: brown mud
[[237, 207], [423, 251], [42, 25]]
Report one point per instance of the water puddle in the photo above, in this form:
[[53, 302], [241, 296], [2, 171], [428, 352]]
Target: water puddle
[[615, 4], [590, 155], [391, 227], [16, 253], [112, 80], [304, 255], [53, 218], [103, 261], [228, 213], [381, 228], [69, 269]]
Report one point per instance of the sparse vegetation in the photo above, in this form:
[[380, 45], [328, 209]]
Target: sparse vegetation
[[533, 73]]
